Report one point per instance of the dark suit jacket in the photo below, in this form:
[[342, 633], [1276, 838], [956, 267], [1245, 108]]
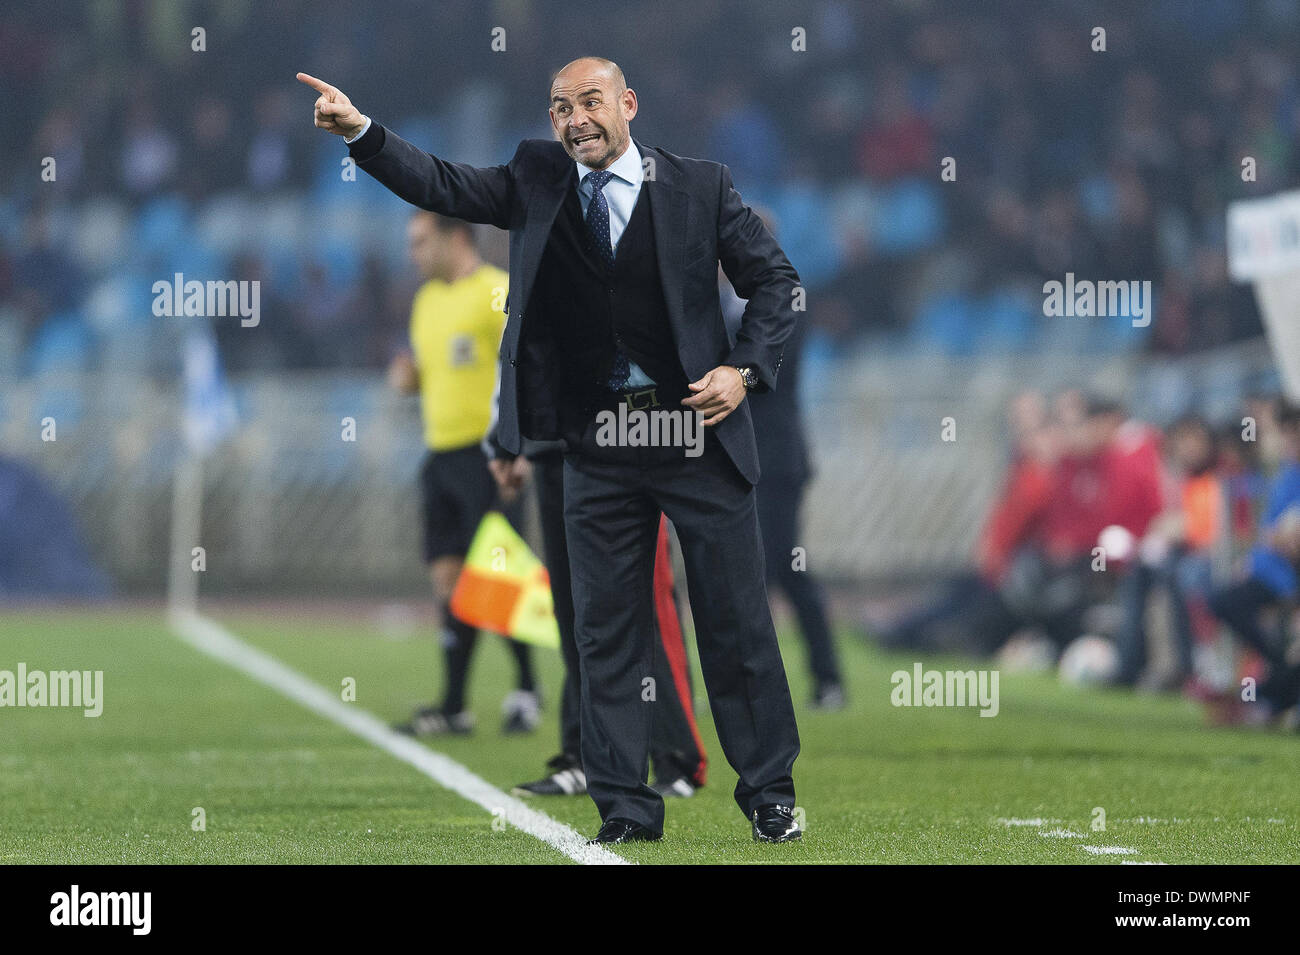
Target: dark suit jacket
[[699, 220], [778, 421]]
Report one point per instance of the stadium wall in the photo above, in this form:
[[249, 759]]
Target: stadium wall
[[292, 508]]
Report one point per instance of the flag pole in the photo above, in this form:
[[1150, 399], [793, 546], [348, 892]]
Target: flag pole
[[206, 416], [187, 520]]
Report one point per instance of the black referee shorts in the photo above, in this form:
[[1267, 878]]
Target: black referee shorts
[[456, 490]]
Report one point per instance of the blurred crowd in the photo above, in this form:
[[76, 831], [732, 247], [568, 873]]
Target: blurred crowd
[[1164, 559], [1109, 164]]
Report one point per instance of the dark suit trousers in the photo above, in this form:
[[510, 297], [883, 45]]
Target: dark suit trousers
[[675, 746], [779, 497], [548, 477], [613, 497]]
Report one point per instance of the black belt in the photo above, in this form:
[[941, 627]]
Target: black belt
[[640, 399]]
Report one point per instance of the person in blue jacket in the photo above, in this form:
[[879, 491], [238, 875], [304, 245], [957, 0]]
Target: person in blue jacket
[[1271, 579]]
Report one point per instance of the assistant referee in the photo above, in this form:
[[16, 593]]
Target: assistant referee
[[456, 323]]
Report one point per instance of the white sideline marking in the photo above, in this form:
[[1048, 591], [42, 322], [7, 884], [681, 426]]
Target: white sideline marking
[[1109, 850], [214, 640], [1062, 833]]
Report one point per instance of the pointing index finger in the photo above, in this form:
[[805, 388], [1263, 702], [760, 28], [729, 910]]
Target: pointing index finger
[[320, 86]]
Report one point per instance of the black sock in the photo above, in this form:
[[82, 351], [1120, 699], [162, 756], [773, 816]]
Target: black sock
[[523, 664], [458, 649]]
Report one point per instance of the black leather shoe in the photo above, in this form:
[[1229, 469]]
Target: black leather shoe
[[615, 831], [775, 823]]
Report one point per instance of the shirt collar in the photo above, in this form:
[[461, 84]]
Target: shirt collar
[[626, 167]]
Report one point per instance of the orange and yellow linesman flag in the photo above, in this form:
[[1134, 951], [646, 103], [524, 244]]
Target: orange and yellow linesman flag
[[504, 587]]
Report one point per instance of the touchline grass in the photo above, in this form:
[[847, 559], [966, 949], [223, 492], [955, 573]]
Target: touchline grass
[[183, 739]]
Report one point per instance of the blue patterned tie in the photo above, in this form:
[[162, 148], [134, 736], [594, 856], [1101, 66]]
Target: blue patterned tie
[[598, 227], [598, 215]]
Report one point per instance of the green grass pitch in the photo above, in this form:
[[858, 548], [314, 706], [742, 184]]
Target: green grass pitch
[[877, 784]]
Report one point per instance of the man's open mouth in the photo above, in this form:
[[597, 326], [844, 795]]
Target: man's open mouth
[[590, 137]]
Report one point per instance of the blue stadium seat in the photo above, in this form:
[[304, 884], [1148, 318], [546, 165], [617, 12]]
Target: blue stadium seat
[[1097, 197], [194, 260], [62, 343], [947, 322], [341, 257], [161, 223], [909, 217], [803, 212], [1006, 321]]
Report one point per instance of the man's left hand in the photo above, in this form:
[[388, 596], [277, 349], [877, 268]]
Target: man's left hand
[[511, 474], [717, 394]]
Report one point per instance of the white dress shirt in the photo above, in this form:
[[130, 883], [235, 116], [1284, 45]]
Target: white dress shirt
[[360, 134]]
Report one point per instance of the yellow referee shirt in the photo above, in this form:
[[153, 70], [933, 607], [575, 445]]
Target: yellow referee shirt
[[456, 337]]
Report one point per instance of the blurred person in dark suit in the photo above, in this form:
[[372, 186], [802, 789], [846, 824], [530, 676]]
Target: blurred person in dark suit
[[787, 468]]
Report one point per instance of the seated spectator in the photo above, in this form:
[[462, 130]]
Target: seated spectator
[[1175, 555], [1106, 483], [1270, 580]]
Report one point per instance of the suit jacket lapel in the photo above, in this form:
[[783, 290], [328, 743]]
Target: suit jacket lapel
[[542, 205], [668, 215]]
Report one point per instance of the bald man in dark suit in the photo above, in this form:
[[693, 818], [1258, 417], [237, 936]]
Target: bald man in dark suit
[[614, 247]]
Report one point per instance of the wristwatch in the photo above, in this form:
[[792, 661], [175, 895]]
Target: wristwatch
[[748, 377]]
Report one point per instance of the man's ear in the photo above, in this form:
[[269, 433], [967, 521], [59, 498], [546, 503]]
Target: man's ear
[[629, 104], [554, 126]]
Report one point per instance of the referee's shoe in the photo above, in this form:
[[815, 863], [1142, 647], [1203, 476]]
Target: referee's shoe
[[432, 721]]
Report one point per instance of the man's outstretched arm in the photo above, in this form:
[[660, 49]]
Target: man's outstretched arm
[[451, 189]]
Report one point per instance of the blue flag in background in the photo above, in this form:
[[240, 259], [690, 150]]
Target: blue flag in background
[[209, 414]]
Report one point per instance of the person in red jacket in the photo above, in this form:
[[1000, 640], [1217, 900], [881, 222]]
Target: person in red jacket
[[1133, 472], [1106, 486], [1025, 493]]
